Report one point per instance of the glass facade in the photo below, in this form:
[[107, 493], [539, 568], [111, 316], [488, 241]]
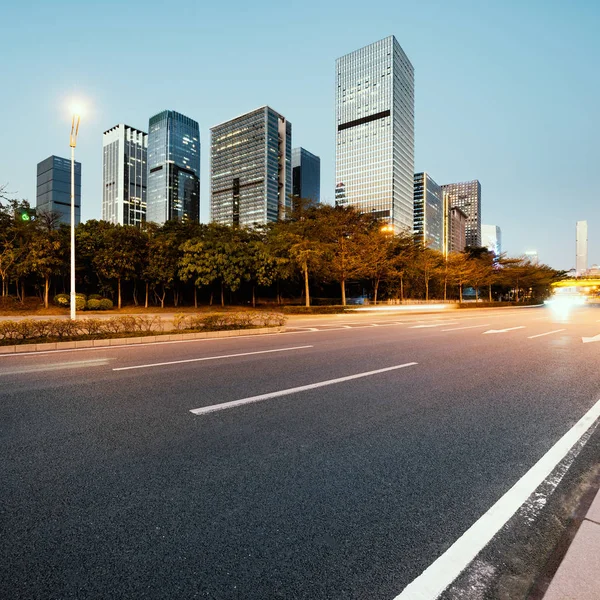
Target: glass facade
[[428, 212], [467, 196], [124, 174], [375, 132], [173, 168], [53, 193], [306, 174], [251, 173], [491, 238]]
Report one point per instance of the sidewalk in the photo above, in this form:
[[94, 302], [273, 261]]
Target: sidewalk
[[578, 576]]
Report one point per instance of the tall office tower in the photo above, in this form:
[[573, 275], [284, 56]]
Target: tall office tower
[[54, 188], [491, 238], [581, 248], [374, 158], [306, 174], [124, 174], [428, 212], [173, 168], [467, 196], [251, 168], [532, 256]]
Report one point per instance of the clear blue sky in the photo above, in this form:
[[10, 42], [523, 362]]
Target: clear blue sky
[[507, 92]]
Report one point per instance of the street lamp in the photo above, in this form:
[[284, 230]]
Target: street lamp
[[73, 142]]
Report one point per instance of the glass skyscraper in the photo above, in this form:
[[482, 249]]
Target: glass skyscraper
[[466, 195], [375, 132], [428, 212], [124, 175], [173, 168], [491, 238], [306, 174], [251, 168], [53, 194]]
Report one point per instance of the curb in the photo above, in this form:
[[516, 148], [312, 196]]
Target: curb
[[130, 341], [577, 575]]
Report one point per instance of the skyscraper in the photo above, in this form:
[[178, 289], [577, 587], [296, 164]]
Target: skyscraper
[[173, 168], [428, 212], [124, 175], [251, 168], [581, 257], [53, 194], [491, 238], [306, 174], [467, 196], [375, 132]]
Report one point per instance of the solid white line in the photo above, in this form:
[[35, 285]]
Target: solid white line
[[191, 360], [225, 405], [443, 571], [547, 333], [469, 327]]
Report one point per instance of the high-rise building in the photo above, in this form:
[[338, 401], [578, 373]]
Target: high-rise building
[[54, 189], [532, 256], [491, 238], [375, 132], [251, 168], [124, 175], [306, 174], [173, 168], [455, 230], [428, 222], [467, 196], [581, 258]]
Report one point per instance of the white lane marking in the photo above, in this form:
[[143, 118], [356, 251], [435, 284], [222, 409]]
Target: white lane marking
[[433, 325], [191, 360], [79, 364], [587, 340], [530, 337], [504, 330], [444, 570], [468, 327], [225, 405]]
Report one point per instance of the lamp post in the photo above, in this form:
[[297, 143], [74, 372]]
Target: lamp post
[[73, 142]]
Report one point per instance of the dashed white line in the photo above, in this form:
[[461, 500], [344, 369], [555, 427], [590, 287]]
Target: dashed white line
[[530, 337], [443, 571], [468, 327], [432, 325], [192, 360], [234, 403], [78, 364]]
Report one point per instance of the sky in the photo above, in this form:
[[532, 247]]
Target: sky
[[506, 92]]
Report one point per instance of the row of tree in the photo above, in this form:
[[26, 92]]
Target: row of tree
[[316, 247]]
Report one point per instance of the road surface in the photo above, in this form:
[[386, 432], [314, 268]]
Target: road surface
[[341, 459]]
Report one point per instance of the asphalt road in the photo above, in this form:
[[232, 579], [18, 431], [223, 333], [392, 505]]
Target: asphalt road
[[111, 488]]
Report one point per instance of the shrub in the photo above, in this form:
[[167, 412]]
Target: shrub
[[63, 328], [93, 304], [95, 297], [62, 300], [80, 302], [105, 304], [91, 326]]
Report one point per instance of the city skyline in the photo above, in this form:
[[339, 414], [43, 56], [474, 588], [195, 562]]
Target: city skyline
[[495, 131]]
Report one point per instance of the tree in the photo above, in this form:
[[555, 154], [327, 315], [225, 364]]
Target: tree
[[375, 257], [162, 263], [118, 256], [46, 256], [299, 239], [428, 262], [460, 270]]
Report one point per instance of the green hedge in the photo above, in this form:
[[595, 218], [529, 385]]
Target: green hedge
[[221, 322], [56, 330]]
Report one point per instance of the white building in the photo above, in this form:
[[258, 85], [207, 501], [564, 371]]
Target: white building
[[581, 250], [124, 175], [374, 159], [491, 238]]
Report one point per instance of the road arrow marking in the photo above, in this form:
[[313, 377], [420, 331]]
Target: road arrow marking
[[586, 340], [504, 330]]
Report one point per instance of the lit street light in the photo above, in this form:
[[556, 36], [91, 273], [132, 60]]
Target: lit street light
[[73, 142]]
